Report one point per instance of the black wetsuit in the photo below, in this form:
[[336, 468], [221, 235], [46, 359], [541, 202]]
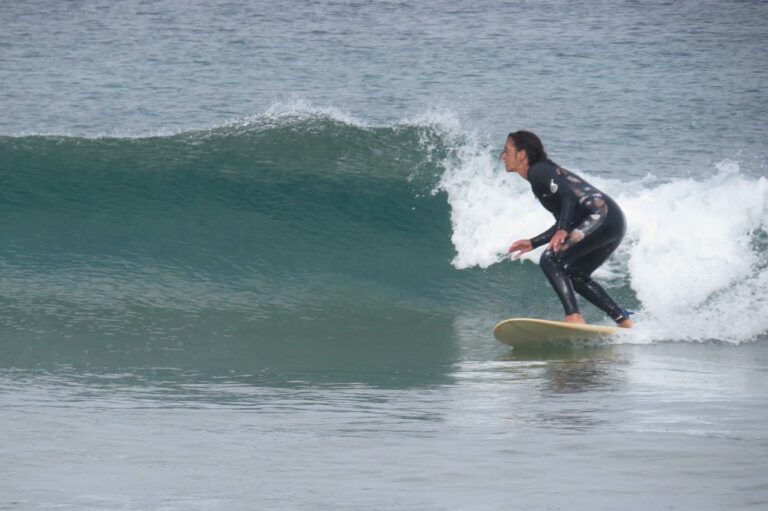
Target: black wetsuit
[[595, 226]]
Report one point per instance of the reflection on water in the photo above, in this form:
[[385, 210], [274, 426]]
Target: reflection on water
[[553, 387], [571, 376], [571, 368]]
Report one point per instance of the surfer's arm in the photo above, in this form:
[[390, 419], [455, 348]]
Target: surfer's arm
[[556, 234], [567, 209], [548, 182], [544, 237], [568, 206]]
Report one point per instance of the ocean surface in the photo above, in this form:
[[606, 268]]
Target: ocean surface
[[253, 253]]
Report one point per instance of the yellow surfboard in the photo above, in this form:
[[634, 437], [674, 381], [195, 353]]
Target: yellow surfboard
[[518, 332]]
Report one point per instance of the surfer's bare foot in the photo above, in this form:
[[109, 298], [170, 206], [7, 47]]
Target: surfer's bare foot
[[627, 323], [574, 318]]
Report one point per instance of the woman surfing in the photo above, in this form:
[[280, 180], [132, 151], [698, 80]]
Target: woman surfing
[[589, 227]]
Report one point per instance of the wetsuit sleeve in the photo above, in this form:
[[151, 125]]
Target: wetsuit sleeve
[[544, 237], [567, 208]]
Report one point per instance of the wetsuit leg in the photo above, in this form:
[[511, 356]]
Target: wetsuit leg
[[554, 269], [587, 247], [580, 271]]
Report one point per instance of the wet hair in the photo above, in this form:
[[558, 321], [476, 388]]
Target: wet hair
[[525, 140]]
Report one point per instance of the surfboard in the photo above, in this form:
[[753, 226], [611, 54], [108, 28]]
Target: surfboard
[[518, 332]]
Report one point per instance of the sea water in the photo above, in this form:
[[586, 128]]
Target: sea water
[[253, 253]]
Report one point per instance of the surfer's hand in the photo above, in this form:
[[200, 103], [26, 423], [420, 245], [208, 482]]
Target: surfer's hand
[[556, 243], [521, 247]]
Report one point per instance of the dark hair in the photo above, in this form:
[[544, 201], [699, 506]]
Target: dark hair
[[525, 140]]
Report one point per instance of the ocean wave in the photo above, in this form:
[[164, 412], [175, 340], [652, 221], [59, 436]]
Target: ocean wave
[[269, 226]]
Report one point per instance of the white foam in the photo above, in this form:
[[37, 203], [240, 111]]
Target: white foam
[[489, 209], [692, 261], [690, 250]]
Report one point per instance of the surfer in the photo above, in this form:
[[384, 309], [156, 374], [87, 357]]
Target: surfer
[[589, 226]]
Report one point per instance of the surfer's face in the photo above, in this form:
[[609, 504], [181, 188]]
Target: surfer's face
[[512, 158]]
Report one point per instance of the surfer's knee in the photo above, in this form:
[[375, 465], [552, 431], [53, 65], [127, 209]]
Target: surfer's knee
[[551, 263], [548, 260]]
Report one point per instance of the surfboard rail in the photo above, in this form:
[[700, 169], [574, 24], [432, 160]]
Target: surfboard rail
[[522, 331]]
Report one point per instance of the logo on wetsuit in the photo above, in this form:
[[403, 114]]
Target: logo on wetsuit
[[552, 186]]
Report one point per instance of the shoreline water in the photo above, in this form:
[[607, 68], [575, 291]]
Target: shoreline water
[[663, 425]]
